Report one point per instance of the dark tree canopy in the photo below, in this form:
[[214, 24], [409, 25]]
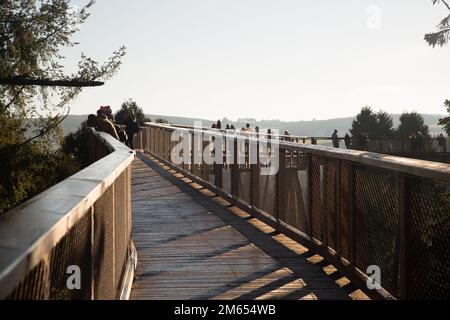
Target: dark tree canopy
[[385, 127], [376, 125], [32, 33], [442, 35], [441, 38], [412, 122], [445, 122], [364, 122], [127, 107]]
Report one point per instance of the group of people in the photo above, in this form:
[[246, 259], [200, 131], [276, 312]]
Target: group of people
[[347, 139], [104, 121], [417, 141], [246, 128]]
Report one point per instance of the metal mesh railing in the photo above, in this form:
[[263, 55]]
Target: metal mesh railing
[[77, 244], [370, 209], [376, 222]]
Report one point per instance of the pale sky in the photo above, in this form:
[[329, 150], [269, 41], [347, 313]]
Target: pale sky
[[266, 59]]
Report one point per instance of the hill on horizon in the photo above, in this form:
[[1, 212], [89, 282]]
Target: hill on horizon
[[316, 128]]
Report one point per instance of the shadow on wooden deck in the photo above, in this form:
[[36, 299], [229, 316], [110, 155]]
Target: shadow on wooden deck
[[194, 245]]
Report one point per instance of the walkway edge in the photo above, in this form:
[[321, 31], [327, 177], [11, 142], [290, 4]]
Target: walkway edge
[[130, 271], [359, 279]]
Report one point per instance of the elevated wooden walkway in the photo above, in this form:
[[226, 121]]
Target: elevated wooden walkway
[[194, 245]]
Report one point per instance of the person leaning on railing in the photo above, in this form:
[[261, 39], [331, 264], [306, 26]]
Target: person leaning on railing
[[441, 142], [101, 123], [347, 141], [335, 139]]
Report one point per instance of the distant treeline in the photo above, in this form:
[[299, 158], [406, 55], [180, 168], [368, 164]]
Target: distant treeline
[[317, 128]]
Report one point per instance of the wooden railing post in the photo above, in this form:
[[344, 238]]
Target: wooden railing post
[[192, 148], [351, 214], [205, 166], [218, 152], [163, 145], [147, 144], [281, 191], [323, 194], [337, 207], [157, 140], [154, 139], [254, 174], [309, 194], [235, 174], [160, 142], [166, 144], [169, 145], [407, 244]]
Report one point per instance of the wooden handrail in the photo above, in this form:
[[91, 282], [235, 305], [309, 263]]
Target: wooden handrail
[[422, 168], [30, 231], [346, 200]]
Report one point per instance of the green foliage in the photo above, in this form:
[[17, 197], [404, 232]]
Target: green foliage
[[129, 106], [376, 125], [30, 170], [76, 145], [441, 38], [442, 35], [385, 126], [412, 122], [445, 122], [161, 120], [31, 36]]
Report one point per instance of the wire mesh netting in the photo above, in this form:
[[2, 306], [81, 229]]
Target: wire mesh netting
[[345, 205], [376, 223], [316, 199], [357, 210], [49, 279], [429, 267], [90, 259]]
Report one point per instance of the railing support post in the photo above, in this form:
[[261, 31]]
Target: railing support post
[[254, 176], [323, 194], [218, 152], [205, 167], [309, 194], [407, 257], [281, 191], [351, 214], [235, 174], [337, 207]]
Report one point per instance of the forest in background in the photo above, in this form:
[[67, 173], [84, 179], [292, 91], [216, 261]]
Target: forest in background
[[317, 128]]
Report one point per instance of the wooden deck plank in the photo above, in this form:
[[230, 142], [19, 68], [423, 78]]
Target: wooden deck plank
[[191, 247]]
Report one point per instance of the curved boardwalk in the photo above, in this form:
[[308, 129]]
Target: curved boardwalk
[[193, 245]]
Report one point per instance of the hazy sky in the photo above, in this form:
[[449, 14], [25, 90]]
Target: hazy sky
[[267, 59]]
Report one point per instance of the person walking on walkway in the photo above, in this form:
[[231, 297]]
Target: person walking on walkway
[[441, 142], [364, 141], [131, 128], [347, 141], [420, 141], [335, 139], [286, 136], [413, 141]]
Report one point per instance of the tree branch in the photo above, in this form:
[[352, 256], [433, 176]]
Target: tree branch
[[20, 81], [446, 4]]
